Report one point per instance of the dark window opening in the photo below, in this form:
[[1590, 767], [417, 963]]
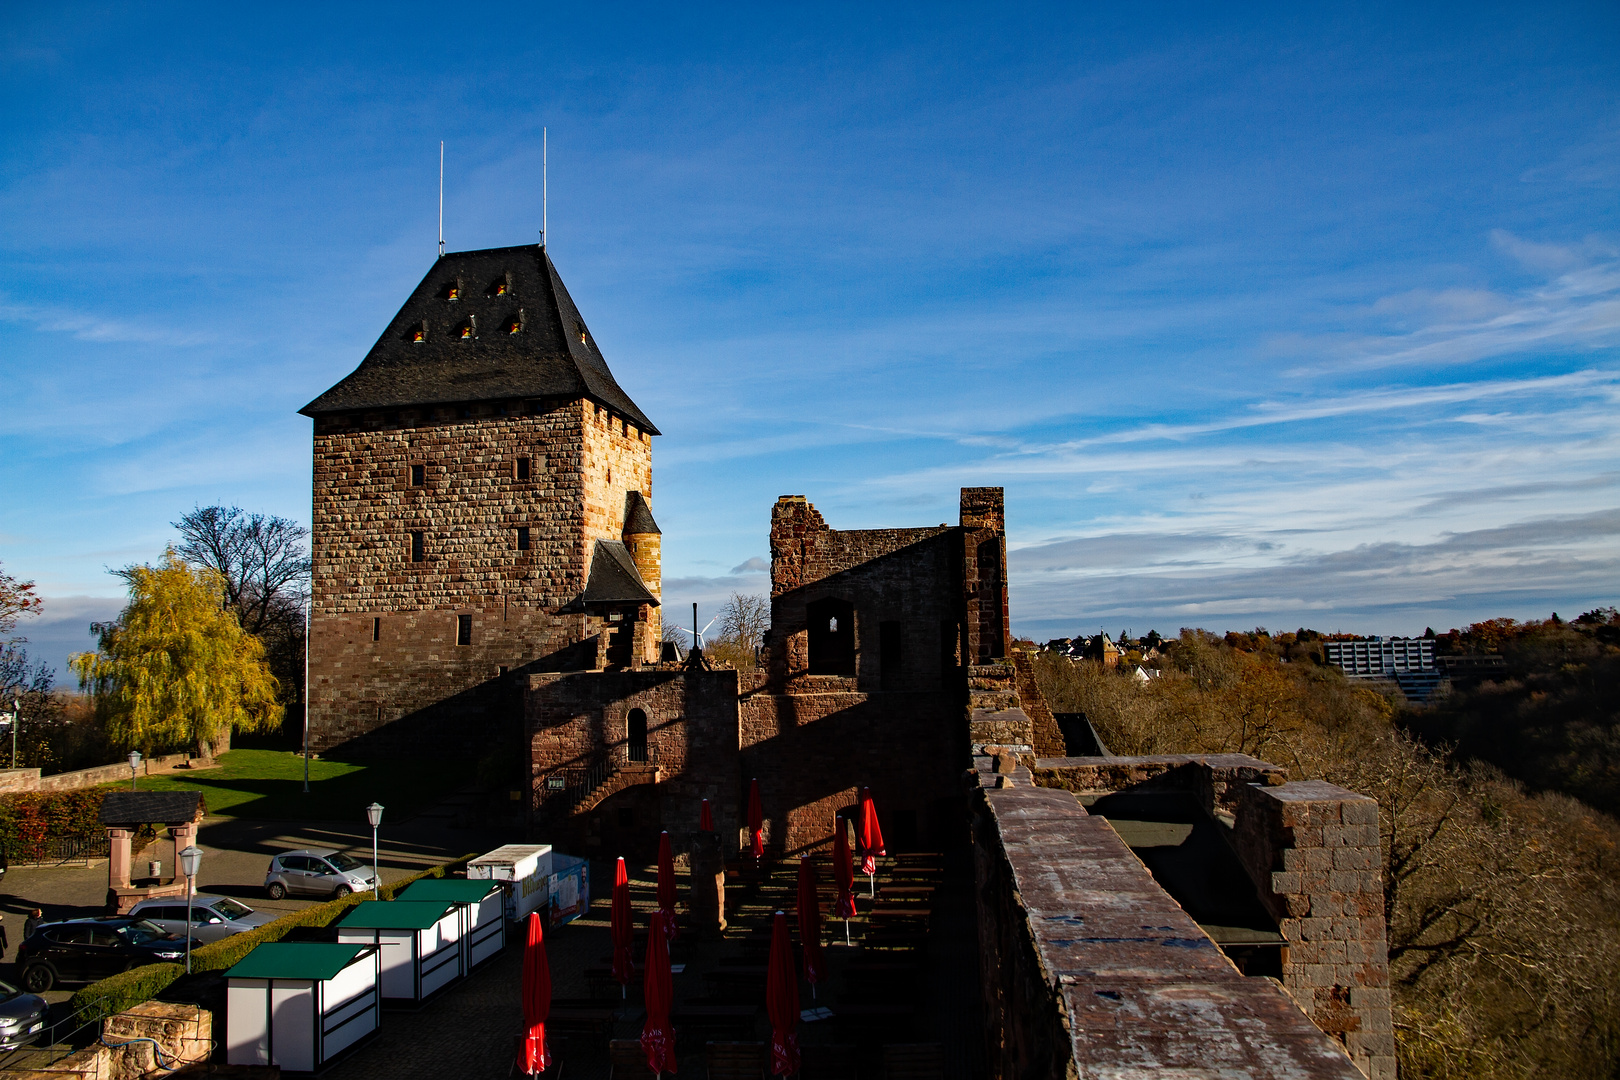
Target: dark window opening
[[627, 817], [463, 629], [637, 741], [376, 628], [891, 659], [418, 475], [991, 610], [523, 538], [522, 468], [418, 547], [832, 637]]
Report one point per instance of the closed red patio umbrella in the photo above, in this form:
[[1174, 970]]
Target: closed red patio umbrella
[[782, 1001], [844, 877], [756, 821], [666, 886], [657, 1037], [623, 930], [815, 964], [536, 1055], [706, 818], [871, 839]]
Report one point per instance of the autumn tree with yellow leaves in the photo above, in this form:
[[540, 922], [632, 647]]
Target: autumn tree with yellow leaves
[[176, 668]]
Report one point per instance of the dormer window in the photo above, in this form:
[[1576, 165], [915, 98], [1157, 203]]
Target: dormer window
[[466, 332], [580, 329], [454, 293], [500, 288], [419, 332]]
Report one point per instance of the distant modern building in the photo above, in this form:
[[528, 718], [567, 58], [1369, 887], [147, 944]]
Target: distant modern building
[[1407, 662]]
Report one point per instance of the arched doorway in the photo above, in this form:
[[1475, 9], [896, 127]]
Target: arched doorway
[[637, 735]]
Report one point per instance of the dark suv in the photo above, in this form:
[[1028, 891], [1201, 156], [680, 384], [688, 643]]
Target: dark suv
[[84, 950]]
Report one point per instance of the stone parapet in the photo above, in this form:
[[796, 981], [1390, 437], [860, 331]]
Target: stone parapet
[[1093, 970]]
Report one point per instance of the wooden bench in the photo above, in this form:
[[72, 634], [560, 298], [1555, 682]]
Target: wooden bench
[[736, 1060], [627, 1055], [913, 1061]]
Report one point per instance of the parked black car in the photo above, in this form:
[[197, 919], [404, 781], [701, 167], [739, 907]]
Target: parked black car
[[84, 950]]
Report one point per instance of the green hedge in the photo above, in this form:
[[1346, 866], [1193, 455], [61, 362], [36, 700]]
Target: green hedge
[[127, 989]]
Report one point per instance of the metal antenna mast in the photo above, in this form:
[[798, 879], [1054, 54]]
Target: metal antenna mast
[[441, 198], [543, 191]]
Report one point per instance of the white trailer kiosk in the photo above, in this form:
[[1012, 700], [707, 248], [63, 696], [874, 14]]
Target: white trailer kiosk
[[523, 871], [483, 913], [419, 944], [298, 1005]]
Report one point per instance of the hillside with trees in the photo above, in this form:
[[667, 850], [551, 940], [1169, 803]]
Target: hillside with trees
[[1502, 892]]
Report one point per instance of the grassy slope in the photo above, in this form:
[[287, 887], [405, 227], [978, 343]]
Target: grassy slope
[[269, 784]]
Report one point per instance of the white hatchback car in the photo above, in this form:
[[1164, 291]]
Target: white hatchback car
[[212, 917]]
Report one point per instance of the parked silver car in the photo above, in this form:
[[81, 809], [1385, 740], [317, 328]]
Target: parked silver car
[[22, 1017], [212, 917], [318, 872]]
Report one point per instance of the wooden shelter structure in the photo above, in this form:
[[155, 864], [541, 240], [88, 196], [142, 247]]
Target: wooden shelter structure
[[123, 813]]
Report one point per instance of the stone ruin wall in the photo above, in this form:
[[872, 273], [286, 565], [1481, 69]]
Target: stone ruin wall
[[1312, 851]]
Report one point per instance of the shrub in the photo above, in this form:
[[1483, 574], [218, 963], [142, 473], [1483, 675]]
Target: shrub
[[123, 991], [29, 819]]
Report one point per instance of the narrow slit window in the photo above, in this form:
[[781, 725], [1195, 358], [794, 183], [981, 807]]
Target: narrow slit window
[[463, 629], [418, 547], [522, 468], [523, 538], [418, 475], [376, 628]]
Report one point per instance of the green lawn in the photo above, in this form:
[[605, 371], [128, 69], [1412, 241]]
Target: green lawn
[[269, 784]]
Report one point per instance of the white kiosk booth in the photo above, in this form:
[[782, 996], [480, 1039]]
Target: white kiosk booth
[[482, 907], [523, 871], [298, 1005], [419, 944]]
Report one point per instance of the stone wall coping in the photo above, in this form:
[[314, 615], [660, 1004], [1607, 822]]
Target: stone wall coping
[[1145, 991], [1311, 791], [1218, 761]]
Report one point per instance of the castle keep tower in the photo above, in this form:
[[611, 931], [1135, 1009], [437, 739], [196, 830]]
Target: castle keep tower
[[480, 510]]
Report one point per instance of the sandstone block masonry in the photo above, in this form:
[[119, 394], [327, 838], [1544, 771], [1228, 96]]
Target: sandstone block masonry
[[445, 541]]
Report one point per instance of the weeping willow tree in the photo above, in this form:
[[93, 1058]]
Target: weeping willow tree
[[176, 668]]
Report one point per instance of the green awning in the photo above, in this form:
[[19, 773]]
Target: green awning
[[295, 960], [395, 914], [448, 890]]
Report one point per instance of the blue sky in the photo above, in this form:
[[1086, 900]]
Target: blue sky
[[1263, 317]]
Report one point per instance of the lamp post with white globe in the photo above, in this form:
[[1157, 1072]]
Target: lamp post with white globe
[[190, 863], [374, 816], [134, 764]]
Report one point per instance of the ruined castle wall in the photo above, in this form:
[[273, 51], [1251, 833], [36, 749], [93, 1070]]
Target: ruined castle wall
[[906, 577], [1092, 969], [812, 752], [576, 719]]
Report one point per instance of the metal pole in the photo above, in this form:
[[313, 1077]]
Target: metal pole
[[376, 871], [16, 722], [306, 690], [190, 882]]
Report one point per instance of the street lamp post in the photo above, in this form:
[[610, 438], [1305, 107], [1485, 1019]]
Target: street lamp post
[[134, 764], [190, 863], [374, 816], [16, 722]]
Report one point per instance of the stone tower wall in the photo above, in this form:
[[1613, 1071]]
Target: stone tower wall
[[384, 629]]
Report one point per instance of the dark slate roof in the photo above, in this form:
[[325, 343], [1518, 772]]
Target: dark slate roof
[[151, 807], [546, 358], [638, 517], [614, 579]]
